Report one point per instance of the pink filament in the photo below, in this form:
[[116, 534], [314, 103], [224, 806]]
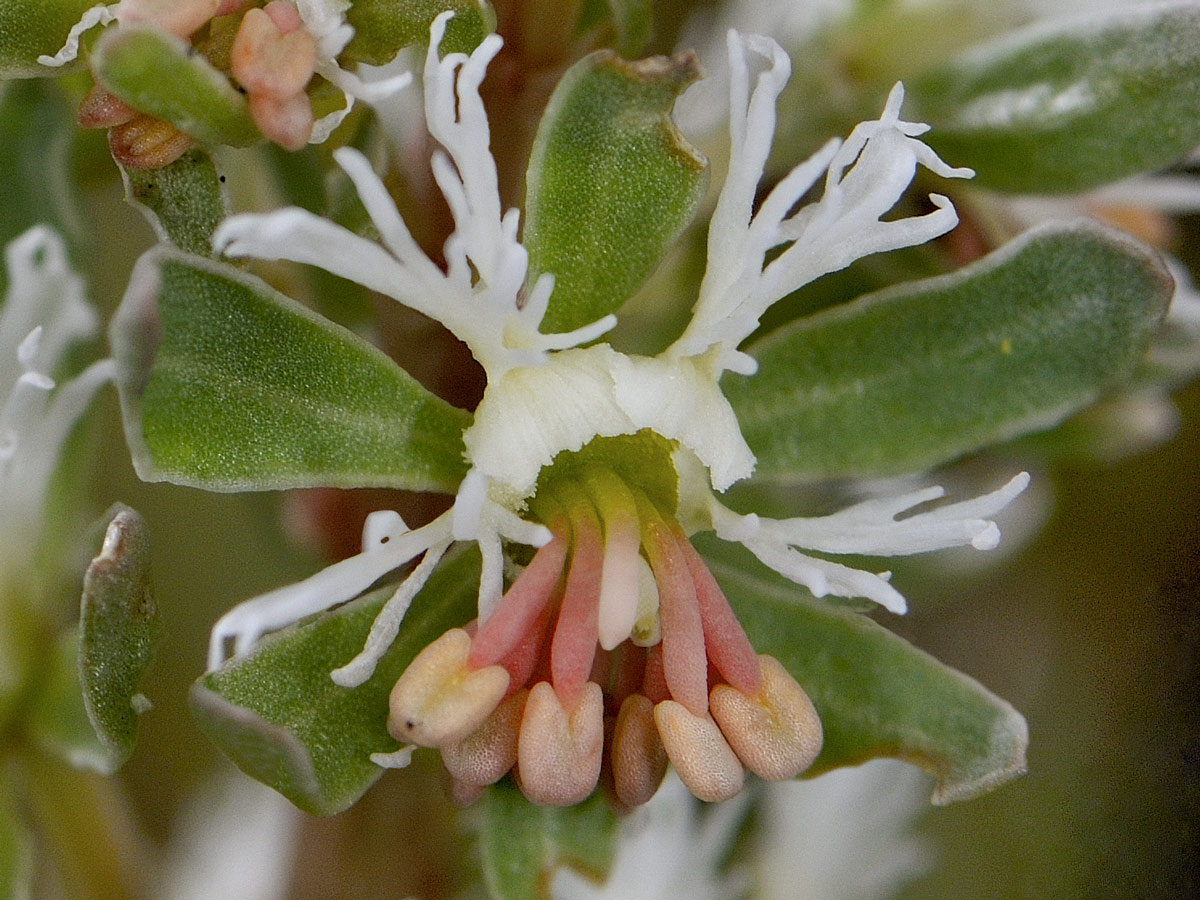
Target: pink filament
[[516, 616], [684, 659], [724, 638], [575, 637]]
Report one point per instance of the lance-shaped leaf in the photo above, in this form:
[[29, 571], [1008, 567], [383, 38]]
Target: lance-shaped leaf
[[877, 695], [611, 183], [118, 627], [916, 375], [382, 28], [1063, 108], [159, 74], [87, 708], [521, 844], [228, 385], [33, 28], [280, 717], [184, 201]]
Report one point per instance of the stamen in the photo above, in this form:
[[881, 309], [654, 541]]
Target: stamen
[[574, 646], [529, 595], [559, 752], [684, 659], [699, 752], [725, 640], [619, 594]]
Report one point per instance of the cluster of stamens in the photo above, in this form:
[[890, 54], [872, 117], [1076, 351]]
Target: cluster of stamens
[[612, 653]]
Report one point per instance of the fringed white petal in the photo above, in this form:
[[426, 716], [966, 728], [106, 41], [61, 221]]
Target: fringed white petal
[[387, 623], [869, 528], [96, 15], [250, 620], [864, 178]]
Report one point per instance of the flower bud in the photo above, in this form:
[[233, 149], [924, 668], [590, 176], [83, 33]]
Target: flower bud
[[491, 750], [639, 760]]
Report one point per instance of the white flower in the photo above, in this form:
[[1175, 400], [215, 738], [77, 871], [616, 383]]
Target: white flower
[[44, 313], [546, 395]]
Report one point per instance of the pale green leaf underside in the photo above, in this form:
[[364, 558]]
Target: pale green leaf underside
[[280, 717], [33, 28], [119, 624], [520, 844], [156, 73], [383, 27], [184, 201], [228, 385], [877, 695], [918, 374], [1069, 107], [611, 183]]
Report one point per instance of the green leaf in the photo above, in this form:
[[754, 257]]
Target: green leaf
[[521, 844], [919, 374], [877, 695], [184, 201], [33, 28], [36, 126], [118, 627], [16, 853], [86, 709], [158, 74], [228, 385], [280, 717], [1069, 107], [382, 28], [611, 183]]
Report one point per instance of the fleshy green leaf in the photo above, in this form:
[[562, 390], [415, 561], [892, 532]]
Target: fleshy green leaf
[[118, 627], [16, 853], [87, 707], [611, 182], [228, 385], [158, 74], [521, 844], [916, 375], [33, 28], [36, 125], [1069, 107], [877, 695], [184, 201], [280, 717], [382, 28]]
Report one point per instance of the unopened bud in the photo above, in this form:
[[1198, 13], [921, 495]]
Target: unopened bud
[[639, 760], [102, 109], [287, 122], [145, 142], [775, 733], [438, 701], [699, 752], [559, 752], [266, 61]]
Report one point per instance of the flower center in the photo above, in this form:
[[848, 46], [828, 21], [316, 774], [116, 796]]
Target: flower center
[[611, 653]]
